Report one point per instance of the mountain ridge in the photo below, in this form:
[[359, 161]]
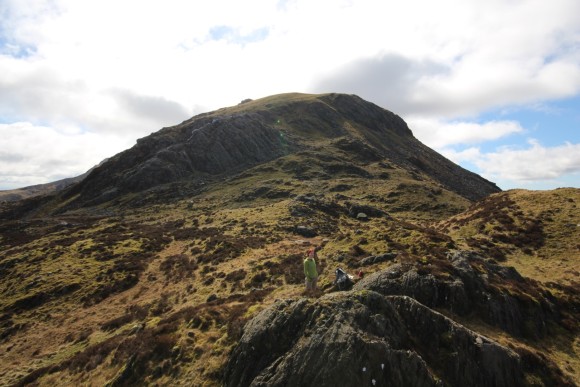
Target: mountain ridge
[[231, 139]]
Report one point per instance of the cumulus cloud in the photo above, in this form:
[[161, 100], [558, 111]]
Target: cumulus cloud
[[438, 134], [466, 86], [524, 165], [534, 163], [32, 154], [36, 93], [387, 80], [482, 55], [432, 61], [153, 108]]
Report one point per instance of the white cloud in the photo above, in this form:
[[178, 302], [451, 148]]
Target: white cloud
[[32, 154], [437, 134], [388, 79], [489, 54], [459, 61], [469, 155], [35, 92], [533, 163]]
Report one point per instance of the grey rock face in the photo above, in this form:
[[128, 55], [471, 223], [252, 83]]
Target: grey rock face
[[374, 259], [194, 149], [469, 291], [364, 338], [383, 332]]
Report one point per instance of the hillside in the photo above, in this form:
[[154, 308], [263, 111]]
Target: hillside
[[148, 270], [13, 195], [34, 191]]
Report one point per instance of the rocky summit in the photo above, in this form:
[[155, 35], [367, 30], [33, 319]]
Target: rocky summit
[[180, 261], [341, 133]]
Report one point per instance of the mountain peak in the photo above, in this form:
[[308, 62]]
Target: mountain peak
[[230, 140]]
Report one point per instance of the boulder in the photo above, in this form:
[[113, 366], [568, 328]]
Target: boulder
[[362, 216], [354, 210], [373, 259], [305, 231]]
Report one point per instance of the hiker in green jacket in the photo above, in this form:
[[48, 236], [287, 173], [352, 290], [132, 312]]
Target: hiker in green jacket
[[310, 270]]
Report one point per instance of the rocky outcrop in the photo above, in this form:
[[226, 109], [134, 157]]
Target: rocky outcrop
[[203, 147], [498, 295], [366, 339], [403, 149], [374, 259], [384, 332]]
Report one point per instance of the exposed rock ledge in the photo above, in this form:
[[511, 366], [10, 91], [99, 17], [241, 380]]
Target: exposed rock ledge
[[355, 338], [377, 334]]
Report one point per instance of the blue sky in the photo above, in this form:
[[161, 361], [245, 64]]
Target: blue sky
[[551, 124], [494, 85]]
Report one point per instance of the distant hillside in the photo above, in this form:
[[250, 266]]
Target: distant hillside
[[42, 189], [537, 232], [38, 190]]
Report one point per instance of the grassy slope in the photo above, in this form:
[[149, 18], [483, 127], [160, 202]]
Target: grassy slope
[[228, 242], [231, 240], [538, 233]]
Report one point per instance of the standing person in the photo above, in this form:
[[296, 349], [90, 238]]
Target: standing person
[[310, 270]]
